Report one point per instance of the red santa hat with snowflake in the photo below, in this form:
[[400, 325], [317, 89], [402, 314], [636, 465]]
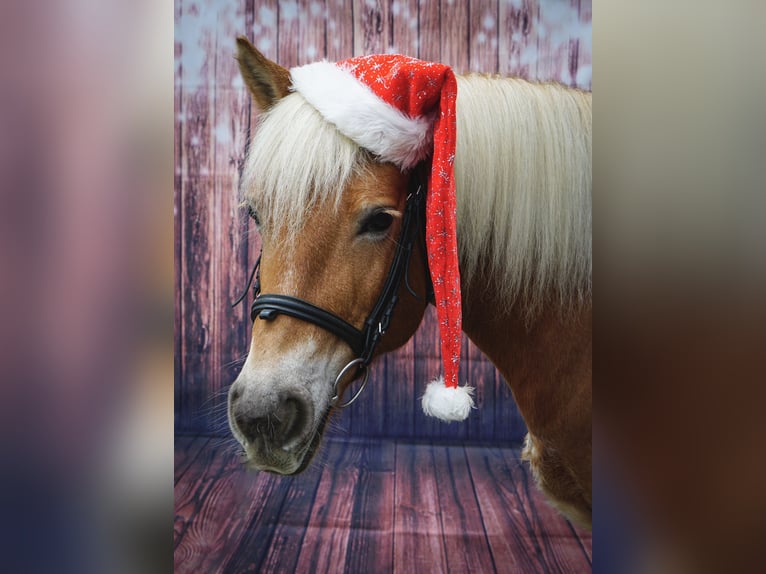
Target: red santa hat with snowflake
[[403, 110]]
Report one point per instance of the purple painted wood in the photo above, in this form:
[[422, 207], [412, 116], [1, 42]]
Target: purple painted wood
[[369, 506]]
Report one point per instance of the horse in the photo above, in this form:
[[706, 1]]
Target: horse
[[331, 216]]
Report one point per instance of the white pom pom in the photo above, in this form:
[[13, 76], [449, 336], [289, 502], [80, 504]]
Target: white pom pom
[[447, 403]]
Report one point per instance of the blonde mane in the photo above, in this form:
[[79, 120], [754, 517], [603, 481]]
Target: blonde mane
[[523, 182], [523, 171]]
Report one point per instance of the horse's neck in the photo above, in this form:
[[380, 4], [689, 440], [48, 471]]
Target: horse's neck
[[546, 360]]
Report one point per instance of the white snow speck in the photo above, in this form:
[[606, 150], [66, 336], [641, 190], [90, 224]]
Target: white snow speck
[[289, 10], [488, 22], [528, 56], [267, 17], [311, 52], [222, 133], [481, 38], [264, 43], [584, 77]]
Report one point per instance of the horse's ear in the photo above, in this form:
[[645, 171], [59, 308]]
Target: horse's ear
[[266, 80]]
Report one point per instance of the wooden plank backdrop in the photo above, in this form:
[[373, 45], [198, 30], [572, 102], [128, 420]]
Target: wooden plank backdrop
[[215, 245], [371, 505]]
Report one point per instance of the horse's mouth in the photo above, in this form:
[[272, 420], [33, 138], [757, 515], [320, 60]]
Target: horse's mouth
[[262, 456]]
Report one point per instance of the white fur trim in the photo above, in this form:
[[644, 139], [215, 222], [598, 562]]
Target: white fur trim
[[447, 403], [362, 116]]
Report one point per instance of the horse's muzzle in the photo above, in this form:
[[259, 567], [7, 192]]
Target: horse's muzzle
[[280, 422]]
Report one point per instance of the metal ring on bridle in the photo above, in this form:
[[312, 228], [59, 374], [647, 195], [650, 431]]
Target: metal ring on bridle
[[336, 399]]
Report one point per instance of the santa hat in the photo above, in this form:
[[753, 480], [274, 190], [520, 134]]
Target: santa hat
[[403, 110]]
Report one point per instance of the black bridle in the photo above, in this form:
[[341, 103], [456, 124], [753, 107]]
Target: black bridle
[[362, 341]]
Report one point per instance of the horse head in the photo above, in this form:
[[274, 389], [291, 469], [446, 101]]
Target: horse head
[[330, 216]]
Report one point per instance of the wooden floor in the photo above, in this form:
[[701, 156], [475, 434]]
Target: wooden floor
[[369, 506]]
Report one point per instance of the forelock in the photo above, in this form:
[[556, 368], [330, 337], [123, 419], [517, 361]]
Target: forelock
[[296, 161]]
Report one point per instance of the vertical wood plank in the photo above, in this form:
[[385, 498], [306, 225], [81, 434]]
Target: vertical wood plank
[[371, 540], [178, 223], [372, 34], [398, 419], [465, 539], [340, 29], [584, 77], [455, 51], [288, 530], [264, 27], [552, 50], [517, 38], [404, 27], [418, 544], [559, 30], [370, 413], [312, 39], [429, 30], [197, 67], [505, 522], [483, 40], [325, 544], [288, 33]]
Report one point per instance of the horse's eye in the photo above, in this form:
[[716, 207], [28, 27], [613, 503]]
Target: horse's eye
[[254, 214], [377, 223]]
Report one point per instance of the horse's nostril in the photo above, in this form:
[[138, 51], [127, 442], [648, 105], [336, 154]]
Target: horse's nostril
[[287, 423], [251, 427], [235, 393], [292, 415]]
